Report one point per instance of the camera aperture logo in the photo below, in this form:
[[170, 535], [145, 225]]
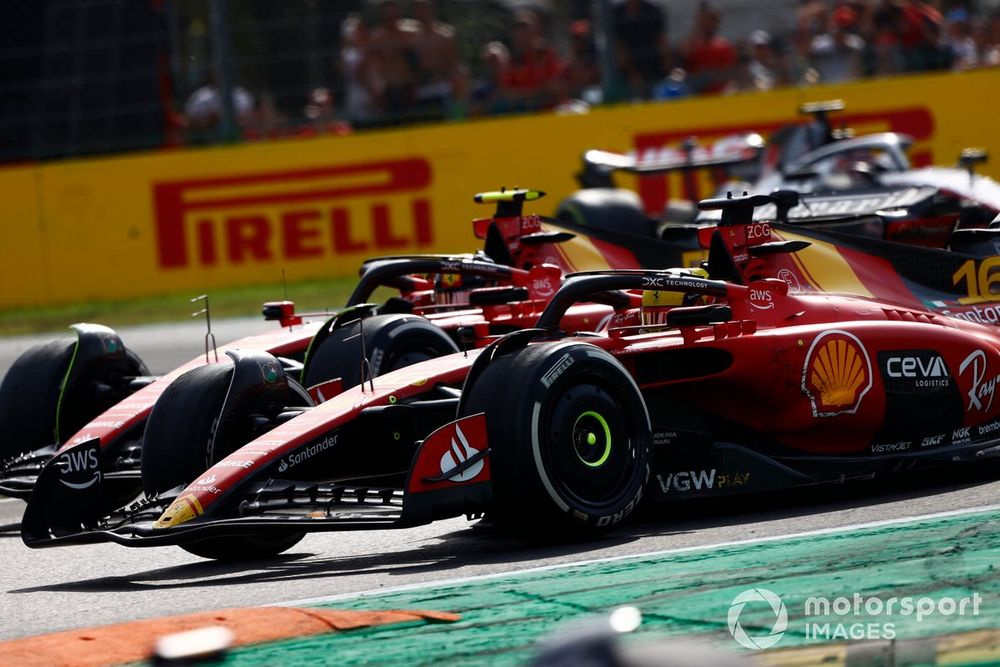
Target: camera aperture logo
[[758, 640], [844, 618]]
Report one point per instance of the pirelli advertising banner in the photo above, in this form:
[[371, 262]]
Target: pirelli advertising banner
[[200, 219]]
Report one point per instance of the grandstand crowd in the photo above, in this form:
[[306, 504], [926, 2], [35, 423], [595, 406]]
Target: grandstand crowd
[[400, 61]]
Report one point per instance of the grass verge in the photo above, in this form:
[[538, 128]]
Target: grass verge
[[309, 296]]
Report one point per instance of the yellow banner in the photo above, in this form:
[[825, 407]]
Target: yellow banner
[[206, 218]]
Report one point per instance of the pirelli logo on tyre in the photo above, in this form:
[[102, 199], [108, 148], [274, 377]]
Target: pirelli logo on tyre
[[290, 215], [837, 374]]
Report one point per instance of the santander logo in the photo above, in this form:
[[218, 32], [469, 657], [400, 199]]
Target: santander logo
[[460, 452]]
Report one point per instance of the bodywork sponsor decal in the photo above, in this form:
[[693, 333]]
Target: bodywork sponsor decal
[[837, 374], [917, 369], [308, 452], [982, 384], [79, 468], [687, 481], [459, 453]]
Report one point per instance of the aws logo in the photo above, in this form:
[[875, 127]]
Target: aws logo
[[80, 468], [837, 374]]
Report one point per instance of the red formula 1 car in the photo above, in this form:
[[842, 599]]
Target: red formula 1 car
[[92, 387], [745, 386]]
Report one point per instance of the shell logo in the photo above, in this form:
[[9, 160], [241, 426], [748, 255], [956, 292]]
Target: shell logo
[[837, 374]]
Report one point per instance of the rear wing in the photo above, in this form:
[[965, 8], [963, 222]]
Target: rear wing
[[598, 165]]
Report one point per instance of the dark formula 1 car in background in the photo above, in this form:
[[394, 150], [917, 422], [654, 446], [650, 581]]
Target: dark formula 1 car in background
[[838, 176], [745, 386], [67, 391]]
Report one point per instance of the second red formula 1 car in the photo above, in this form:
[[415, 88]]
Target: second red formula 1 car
[[67, 391]]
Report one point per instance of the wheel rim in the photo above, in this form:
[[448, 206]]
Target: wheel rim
[[590, 445], [592, 439], [410, 357]]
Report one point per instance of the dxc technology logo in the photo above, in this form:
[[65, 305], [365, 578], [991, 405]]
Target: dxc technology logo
[[758, 641]]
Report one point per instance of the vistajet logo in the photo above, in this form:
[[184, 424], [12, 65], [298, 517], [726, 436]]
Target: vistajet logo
[[300, 214]]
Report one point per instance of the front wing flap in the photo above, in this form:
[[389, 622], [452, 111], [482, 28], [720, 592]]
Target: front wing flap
[[449, 477]]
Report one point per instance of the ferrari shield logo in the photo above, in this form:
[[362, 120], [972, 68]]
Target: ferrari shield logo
[[837, 374]]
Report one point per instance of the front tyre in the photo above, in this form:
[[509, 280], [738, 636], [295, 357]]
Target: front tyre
[[569, 441]]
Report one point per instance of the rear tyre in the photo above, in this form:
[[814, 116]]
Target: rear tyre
[[243, 547], [613, 209], [390, 341], [31, 416], [570, 443]]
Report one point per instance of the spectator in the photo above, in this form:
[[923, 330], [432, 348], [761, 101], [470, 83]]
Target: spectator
[[393, 61], [710, 59], [321, 115], [583, 69], [434, 44], [836, 54], [920, 35], [355, 68], [884, 48], [989, 54], [203, 111], [531, 80], [641, 45], [959, 40], [265, 122], [764, 66], [487, 91]]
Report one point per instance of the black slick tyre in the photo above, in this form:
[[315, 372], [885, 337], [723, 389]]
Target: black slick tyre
[[34, 410], [391, 342], [184, 437], [569, 440], [177, 443], [243, 547]]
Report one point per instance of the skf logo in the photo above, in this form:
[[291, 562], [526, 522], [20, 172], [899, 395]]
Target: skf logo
[[837, 374], [299, 214]]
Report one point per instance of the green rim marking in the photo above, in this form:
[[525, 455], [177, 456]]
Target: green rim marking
[[592, 439]]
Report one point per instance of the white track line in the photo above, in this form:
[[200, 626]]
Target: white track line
[[457, 581]]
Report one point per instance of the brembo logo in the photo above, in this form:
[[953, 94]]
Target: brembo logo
[[292, 215]]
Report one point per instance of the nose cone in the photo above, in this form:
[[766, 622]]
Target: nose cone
[[182, 510]]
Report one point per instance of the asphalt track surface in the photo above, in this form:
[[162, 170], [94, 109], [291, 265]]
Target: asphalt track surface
[[57, 589]]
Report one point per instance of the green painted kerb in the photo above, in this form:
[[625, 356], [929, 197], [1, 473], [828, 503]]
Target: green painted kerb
[[685, 594]]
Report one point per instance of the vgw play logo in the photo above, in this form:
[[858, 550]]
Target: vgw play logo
[[766, 609]]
